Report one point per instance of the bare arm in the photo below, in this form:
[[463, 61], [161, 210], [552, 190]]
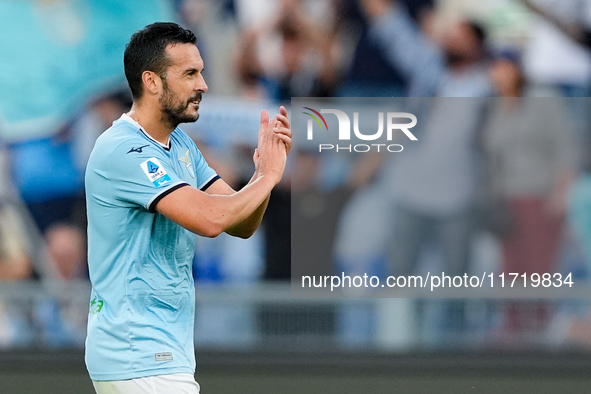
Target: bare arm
[[210, 215], [222, 209], [248, 226]]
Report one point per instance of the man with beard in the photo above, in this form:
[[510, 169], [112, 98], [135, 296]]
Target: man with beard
[[148, 189], [437, 178]]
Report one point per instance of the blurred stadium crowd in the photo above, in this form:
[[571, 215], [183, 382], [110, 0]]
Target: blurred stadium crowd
[[515, 197]]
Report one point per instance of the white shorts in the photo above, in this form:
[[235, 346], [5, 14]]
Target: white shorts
[[178, 383]]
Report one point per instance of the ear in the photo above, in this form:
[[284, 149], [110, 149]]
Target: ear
[[152, 82]]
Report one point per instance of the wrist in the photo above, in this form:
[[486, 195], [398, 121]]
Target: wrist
[[271, 179]]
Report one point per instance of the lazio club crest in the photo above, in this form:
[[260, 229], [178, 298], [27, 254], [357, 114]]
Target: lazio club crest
[[185, 159]]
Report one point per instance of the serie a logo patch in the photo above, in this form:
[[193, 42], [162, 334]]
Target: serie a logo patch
[[155, 172]]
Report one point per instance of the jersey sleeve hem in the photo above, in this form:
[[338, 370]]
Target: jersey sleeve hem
[[209, 182], [152, 203]]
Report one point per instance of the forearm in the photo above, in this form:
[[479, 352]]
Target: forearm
[[247, 207], [248, 226], [210, 215]]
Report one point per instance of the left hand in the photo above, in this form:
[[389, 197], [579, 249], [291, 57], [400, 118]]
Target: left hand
[[282, 128]]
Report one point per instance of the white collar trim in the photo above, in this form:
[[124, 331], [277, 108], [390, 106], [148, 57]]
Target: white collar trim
[[129, 119]]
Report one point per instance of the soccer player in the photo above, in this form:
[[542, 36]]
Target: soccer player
[[148, 190]]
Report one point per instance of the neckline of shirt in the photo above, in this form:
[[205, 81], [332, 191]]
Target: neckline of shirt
[[131, 120]]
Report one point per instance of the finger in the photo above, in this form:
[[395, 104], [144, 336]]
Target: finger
[[283, 111], [264, 119], [283, 119], [285, 139], [273, 124], [282, 130], [287, 146]]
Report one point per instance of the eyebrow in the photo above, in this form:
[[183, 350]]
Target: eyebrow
[[192, 71]]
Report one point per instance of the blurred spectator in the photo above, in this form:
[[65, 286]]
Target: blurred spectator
[[49, 172], [47, 178], [370, 73], [531, 162], [465, 50], [62, 318], [549, 45], [15, 251], [455, 68], [16, 260], [290, 57], [436, 183], [66, 249], [558, 56], [15, 256], [437, 178]]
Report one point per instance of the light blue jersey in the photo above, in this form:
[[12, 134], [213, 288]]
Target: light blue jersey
[[143, 298]]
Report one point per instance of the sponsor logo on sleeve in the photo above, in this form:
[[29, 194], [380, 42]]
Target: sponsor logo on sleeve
[[155, 172]]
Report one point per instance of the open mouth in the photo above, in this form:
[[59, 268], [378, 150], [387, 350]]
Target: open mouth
[[195, 100]]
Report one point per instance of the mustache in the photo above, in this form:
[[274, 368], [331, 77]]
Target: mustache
[[196, 97]]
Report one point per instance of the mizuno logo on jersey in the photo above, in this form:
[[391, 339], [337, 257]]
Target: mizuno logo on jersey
[[138, 150]]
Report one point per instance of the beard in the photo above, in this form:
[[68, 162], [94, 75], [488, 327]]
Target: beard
[[174, 110], [454, 58]]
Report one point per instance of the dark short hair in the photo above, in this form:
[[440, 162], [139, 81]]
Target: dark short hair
[[478, 30], [146, 51]]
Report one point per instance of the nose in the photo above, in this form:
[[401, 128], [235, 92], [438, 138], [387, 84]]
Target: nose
[[201, 85]]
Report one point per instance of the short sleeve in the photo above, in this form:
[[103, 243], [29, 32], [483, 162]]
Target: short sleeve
[[141, 176], [206, 175]]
